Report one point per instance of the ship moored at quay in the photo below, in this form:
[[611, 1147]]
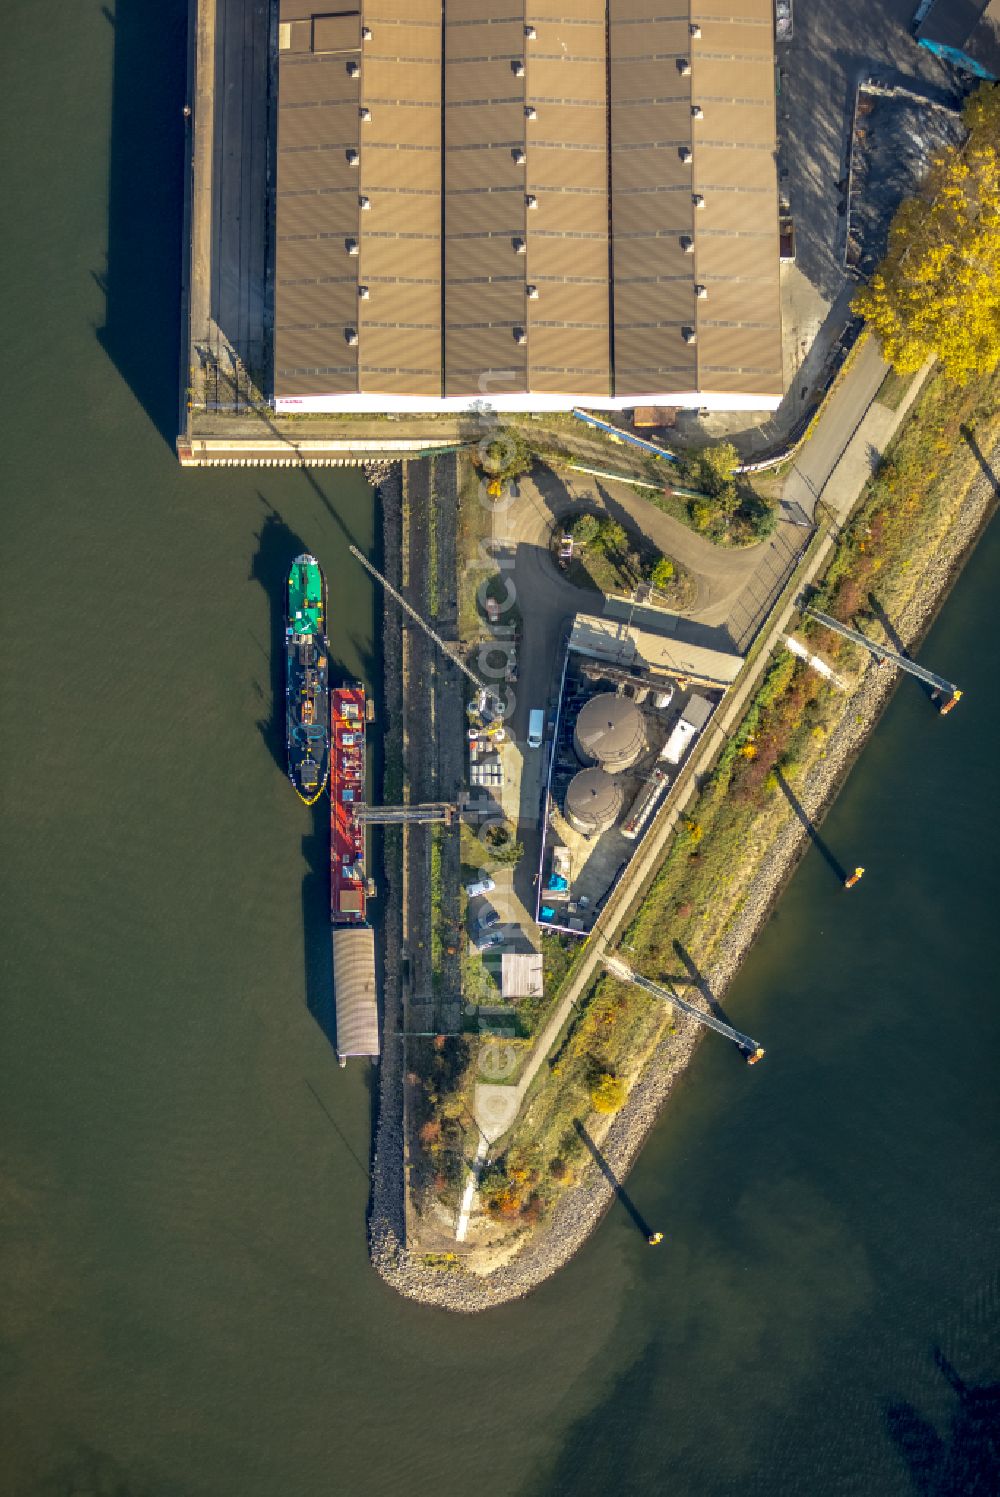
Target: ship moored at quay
[[307, 679], [353, 939]]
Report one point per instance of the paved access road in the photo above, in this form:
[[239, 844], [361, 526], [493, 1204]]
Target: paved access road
[[844, 413]]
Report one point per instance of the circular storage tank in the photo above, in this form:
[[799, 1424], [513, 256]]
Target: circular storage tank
[[593, 802], [609, 732]]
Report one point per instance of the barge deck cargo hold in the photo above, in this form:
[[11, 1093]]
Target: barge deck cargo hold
[[348, 862], [353, 940]]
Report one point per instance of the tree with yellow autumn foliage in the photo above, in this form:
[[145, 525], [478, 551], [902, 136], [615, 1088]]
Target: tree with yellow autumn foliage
[[607, 1093], [938, 290]]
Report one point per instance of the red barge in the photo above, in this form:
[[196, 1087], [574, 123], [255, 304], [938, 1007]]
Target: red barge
[[353, 939], [348, 861]]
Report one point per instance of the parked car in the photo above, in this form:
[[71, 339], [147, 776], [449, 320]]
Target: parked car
[[481, 886], [488, 918], [494, 938], [783, 20]]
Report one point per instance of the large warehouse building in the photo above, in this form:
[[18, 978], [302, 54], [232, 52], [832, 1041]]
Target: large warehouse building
[[572, 204]]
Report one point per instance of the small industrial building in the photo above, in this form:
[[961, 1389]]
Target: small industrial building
[[521, 975], [639, 689], [573, 204], [648, 640], [965, 33]]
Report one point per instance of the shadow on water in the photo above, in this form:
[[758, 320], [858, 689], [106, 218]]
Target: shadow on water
[[364, 1168], [590, 1460], [965, 1462], [626, 1200], [878, 612], [316, 919], [141, 281], [823, 848], [100, 1474], [313, 482]]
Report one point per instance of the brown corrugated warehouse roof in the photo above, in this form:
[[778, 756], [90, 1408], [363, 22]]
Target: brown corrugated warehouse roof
[[526, 204]]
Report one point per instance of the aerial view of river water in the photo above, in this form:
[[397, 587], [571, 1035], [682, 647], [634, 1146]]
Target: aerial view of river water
[[188, 1307]]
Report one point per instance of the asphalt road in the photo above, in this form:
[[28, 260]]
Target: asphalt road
[[847, 408], [837, 43], [230, 228]]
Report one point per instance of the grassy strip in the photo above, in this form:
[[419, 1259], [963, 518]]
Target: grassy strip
[[433, 581], [892, 390], [437, 914], [747, 800], [475, 517], [479, 979]]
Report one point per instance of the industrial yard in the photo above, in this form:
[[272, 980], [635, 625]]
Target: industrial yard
[[587, 714], [620, 738]]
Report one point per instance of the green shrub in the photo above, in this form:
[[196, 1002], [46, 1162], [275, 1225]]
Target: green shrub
[[612, 536], [701, 514], [503, 846], [585, 529]]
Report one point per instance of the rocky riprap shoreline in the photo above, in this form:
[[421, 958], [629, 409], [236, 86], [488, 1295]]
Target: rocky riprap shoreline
[[581, 1209], [378, 470], [387, 1200]]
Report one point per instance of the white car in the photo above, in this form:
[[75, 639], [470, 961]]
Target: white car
[[483, 886]]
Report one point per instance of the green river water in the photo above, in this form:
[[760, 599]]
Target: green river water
[[187, 1306]]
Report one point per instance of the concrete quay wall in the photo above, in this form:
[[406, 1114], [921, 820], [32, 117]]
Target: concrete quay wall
[[207, 452]]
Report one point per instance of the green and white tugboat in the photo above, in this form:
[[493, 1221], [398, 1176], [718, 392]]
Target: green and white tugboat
[[307, 680]]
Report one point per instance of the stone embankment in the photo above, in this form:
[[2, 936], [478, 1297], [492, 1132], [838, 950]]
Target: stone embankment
[[579, 1212], [377, 471], [387, 1209]]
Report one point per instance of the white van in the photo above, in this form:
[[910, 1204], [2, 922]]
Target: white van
[[536, 727]]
